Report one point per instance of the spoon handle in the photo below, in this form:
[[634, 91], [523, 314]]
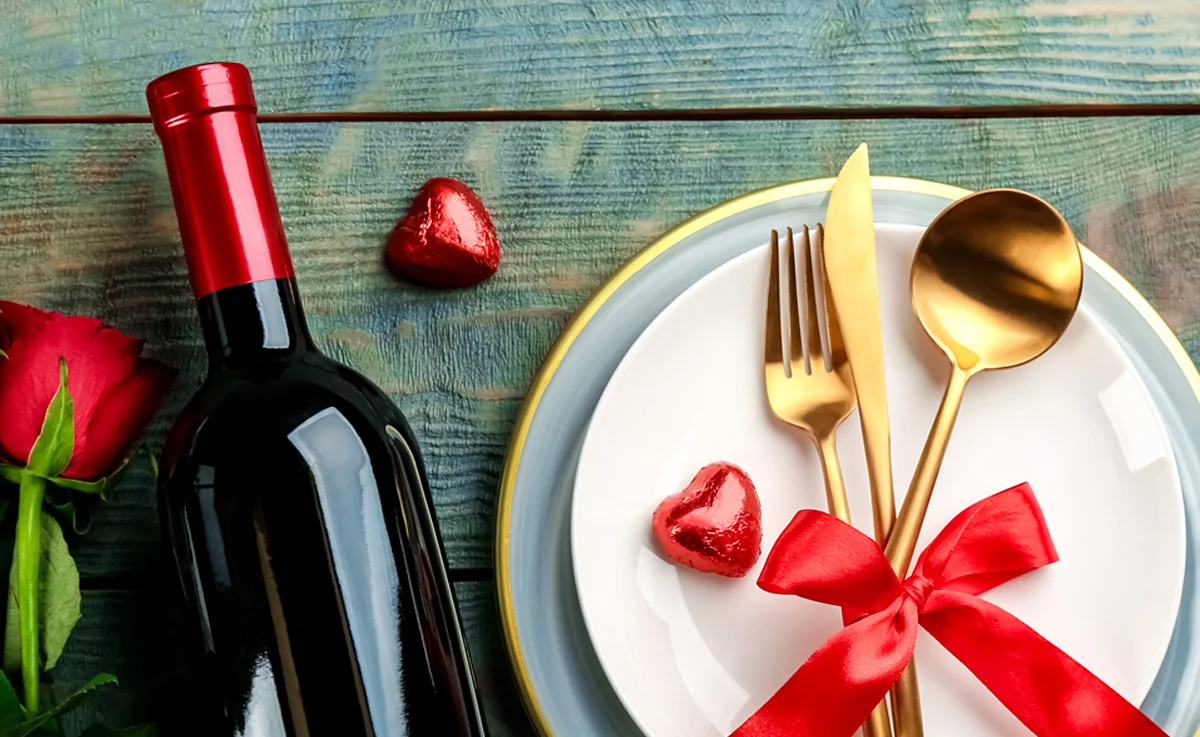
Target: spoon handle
[[903, 541]]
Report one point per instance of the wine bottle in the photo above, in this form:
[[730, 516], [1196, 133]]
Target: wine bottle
[[292, 491]]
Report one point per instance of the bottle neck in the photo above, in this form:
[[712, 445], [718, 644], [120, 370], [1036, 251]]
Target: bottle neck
[[252, 323], [229, 220], [228, 216]]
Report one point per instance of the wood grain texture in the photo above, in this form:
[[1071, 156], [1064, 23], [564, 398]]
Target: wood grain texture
[[95, 56], [131, 634], [86, 226]]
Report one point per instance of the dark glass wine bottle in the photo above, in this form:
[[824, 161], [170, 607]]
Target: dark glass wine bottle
[[292, 489]]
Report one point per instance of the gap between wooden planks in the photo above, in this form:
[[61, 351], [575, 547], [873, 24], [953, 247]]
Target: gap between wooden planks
[[704, 114]]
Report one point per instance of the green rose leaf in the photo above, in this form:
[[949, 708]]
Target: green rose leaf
[[103, 730], [11, 711], [11, 473], [92, 487], [59, 607], [71, 702], [55, 445]]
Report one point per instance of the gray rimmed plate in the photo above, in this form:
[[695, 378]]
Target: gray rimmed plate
[[562, 683]]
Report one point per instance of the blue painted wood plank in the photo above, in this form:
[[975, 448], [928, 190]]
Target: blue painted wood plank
[[95, 56]]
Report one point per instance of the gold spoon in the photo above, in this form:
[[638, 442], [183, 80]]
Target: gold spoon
[[995, 282]]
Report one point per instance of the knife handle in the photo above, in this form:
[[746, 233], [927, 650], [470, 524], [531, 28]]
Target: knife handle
[[878, 723]]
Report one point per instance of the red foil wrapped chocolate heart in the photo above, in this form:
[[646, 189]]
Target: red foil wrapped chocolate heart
[[447, 238], [715, 524]]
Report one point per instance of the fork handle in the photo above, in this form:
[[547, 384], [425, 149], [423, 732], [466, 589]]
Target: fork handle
[[878, 724], [835, 486]]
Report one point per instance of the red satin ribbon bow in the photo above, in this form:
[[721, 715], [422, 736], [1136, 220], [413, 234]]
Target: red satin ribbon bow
[[1000, 538]]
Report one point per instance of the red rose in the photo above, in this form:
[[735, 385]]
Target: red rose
[[114, 389]]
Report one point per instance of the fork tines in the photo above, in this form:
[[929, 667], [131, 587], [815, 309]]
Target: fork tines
[[807, 348]]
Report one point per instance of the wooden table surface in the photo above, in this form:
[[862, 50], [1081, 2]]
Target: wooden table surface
[[588, 127]]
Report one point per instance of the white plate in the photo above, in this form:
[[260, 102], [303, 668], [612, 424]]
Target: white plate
[[692, 655]]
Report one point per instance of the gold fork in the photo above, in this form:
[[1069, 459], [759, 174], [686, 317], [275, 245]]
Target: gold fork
[[808, 391]]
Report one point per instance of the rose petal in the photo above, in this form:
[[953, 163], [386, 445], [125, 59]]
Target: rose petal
[[28, 381], [97, 362], [121, 415], [98, 359], [18, 320]]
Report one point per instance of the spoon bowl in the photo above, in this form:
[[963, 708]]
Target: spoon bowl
[[996, 279]]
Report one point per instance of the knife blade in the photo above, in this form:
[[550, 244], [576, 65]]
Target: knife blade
[[849, 251], [851, 272]]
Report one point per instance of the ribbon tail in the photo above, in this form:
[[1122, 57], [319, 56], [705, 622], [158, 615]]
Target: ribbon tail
[[833, 693], [1051, 693]]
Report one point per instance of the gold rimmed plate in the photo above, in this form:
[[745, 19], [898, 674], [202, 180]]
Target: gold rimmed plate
[[565, 690]]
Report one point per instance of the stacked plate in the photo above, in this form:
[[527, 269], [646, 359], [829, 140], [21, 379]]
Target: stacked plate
[[661, 373]]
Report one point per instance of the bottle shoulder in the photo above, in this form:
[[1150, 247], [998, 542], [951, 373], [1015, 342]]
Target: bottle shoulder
[[292, 385], [267, 401]]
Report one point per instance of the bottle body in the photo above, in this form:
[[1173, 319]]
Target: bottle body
[[305, 538], [291, 488]]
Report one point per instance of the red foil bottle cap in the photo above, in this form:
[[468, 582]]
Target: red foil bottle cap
[[229, 220]]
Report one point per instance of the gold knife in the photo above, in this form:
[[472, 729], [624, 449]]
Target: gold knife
[[849, 255]]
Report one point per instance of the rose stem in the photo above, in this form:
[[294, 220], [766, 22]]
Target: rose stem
[[29, 558]]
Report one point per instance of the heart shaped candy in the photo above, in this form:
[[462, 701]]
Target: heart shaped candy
[[447, 238], [715, 524]]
